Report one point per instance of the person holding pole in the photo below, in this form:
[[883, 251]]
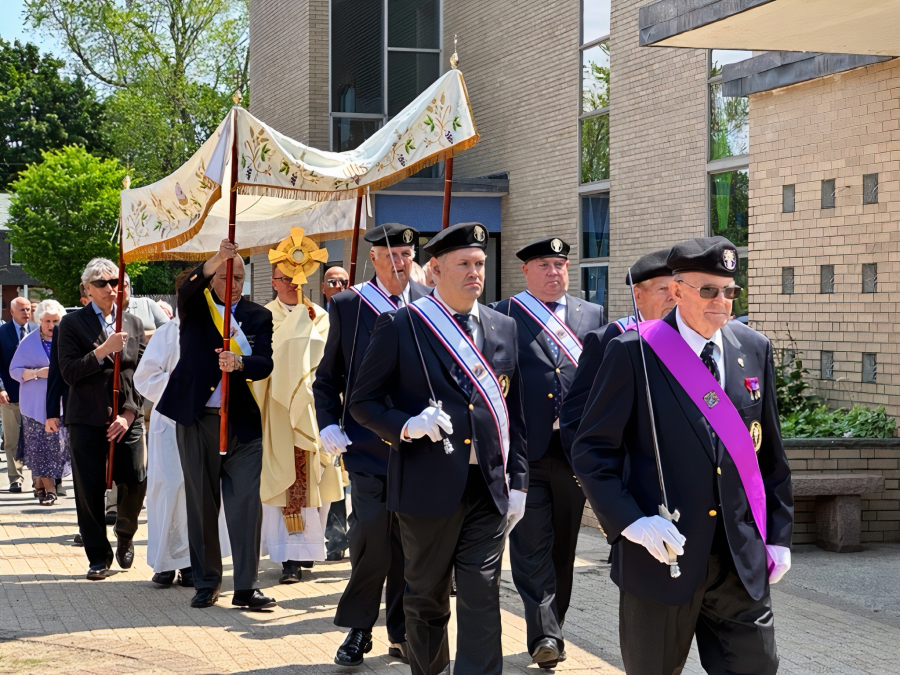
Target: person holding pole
[[87, 344], [375, 550], [680, 455], [193, 399]]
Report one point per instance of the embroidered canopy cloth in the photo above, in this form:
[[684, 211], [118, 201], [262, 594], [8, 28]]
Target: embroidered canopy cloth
[[283, 183]]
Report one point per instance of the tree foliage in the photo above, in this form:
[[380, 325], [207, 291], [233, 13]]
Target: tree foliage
[[63, 212], [595, 129], [40, 110]]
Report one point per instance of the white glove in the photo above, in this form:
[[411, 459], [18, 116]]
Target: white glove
[[516, 510], [429, 423], [334, 441], [653, 533], [781, 557]]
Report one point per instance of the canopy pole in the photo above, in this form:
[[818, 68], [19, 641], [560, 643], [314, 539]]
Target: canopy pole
[[229, 281], [354, 245], [117, 367], [448, 183]]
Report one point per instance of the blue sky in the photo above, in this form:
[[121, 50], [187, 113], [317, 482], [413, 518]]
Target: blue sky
[[12, 28]]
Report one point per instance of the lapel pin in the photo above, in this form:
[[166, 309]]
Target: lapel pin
[[741, 362], [752, 384]]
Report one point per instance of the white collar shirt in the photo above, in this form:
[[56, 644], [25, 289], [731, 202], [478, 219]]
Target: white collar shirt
[[404, 296], [697, 343]]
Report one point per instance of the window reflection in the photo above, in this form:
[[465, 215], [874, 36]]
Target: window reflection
[[595, 78], [594, 20], [729, 127], [349, 133], [595, 285], [357, 50], [728, 208], [413, 24], [409, 74], [724, 57], [595, 226], [595, 148]]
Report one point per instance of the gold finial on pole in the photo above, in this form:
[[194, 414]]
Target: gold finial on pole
[[237, 97], [454, 58], [126, 182]]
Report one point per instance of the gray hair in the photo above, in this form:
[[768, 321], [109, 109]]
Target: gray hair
[[97, 269], [51, 306]]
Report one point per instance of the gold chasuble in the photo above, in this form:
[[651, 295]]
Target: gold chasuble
[[295, 473]]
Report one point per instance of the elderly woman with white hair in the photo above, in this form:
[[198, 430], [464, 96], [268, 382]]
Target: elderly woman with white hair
[[87, 343], [45, 452]]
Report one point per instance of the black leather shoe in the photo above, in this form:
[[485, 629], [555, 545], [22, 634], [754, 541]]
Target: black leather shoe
[[187, 577], [291, 573], [125, 553], [16, 487], [164, 578], [97, 572], [205, 597], [252, 600], [399, 650], [307, 564], [357, 643], [78, 541], [546, 653], [334, 556]]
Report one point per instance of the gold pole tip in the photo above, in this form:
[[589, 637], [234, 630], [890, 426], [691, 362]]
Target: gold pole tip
[[454, 57], [237, 98], [126, 182]]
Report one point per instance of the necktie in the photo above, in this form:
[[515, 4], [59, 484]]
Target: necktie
[[464, 321], [397, 300], [551, 343], [22, 333], [554, 349], [707, 357]]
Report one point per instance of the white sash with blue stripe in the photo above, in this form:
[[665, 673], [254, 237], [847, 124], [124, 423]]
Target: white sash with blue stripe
[[557, 330], [625, 323], [374, 297], [467, 356]]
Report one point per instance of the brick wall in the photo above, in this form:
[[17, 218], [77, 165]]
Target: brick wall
[[838, 127]]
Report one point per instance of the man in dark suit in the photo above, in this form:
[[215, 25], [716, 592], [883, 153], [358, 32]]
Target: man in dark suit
[[550, 324], [375, 550], [87, 344], [731, 521], [651, 277], [193, 399], [446, 365], [11, 334]]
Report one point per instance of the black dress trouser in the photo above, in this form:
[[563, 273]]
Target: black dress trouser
[[336, 527], [471, 539], [542, 545], [90, 448], [376, 555]]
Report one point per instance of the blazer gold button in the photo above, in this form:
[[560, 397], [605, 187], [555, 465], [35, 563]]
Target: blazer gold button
[[549, 395], [467, 441], [558, 370], [712, 512], [212, 388], [471, 407], [719, 470], [193, 277]]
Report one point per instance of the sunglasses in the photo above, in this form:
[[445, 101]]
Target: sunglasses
[[710, 292], [332, 283], [100, 283]]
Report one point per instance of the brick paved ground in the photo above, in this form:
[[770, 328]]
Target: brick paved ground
[[835, 613]]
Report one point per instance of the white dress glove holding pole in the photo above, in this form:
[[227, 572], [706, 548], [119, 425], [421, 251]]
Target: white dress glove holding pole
[[653, 533], [781, 556], [334, 441], [516, 510], [429, 423]]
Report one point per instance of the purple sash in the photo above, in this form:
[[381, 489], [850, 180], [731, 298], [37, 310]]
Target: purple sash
[[713, 403]]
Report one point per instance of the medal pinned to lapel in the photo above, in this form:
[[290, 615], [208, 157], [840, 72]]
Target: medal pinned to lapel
[[752, 384], [504, 384], [756, 434]]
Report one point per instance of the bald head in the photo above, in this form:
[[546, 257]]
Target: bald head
[[334, 281], [20, 310]]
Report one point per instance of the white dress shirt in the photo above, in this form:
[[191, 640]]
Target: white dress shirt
[[404, 296], [697, 343], [560, 310], [215, 401]]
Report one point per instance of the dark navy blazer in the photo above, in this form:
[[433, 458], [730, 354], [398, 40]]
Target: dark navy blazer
[[9, 343]]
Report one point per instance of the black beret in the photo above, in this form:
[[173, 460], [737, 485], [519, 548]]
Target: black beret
[[650, 266], [395, 233], [544, 247], [713, 255], [461, 235]]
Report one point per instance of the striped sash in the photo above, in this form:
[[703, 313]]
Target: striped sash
[[374, 297], [557, 330]]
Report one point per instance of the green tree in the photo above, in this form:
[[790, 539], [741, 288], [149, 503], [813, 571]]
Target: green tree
[[62, 213], [595, 129], [40, 110], [170, 68]]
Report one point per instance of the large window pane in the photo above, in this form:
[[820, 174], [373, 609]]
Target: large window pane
[[413, 24], [595, 226], [595, 285], [595, 78], [723, 57], [741, 306], [409, 74], [729, 126], [728, 209], [357, 56], [348, 134], [594, 20], [595, 148]]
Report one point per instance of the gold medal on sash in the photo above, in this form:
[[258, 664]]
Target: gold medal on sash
[[756, 434], [504, 385]]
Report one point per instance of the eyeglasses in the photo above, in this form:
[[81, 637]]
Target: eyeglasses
[[332, 283], [100, 283], [709, 292], [287, 279]]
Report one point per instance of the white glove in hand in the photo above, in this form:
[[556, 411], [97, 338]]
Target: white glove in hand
[[516, 510], [653, 533], [429, 423], [334, 441], [781, 557]]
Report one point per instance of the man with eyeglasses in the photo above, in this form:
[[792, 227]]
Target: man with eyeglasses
[[334, 281], [375, 550], [721, 461]]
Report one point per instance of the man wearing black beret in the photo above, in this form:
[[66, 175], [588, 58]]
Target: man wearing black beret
[[651, 277], [551, 326], [375, 550], [697, 558], [440, 384]]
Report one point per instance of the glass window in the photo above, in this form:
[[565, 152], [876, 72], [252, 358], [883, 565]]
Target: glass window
[[349, 133], [869, 368], [729, 127], [870, 278], [595, 226], [357, 56], [828, 193], [595, 78], [409, 74], [12, 256], [826, 278], [595, 285], [787, 198], [594, 20], [724, 57], [787, 280], [870, 188], [413, 24], [827, 365], [741, 306], [595, 148], [728, 208]]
